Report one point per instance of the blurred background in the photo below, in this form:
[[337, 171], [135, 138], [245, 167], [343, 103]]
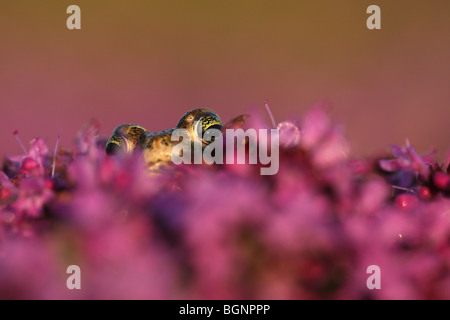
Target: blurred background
[[148, 62]]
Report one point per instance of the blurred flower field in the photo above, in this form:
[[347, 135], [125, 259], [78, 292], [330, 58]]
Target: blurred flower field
[[225, 231]]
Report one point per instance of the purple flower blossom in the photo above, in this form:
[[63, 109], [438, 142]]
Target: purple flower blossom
[[406, 159], [225, 231]]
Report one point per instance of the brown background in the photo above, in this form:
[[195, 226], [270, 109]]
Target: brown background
[[150, 61]]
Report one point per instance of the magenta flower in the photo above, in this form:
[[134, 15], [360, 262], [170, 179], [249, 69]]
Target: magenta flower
[[225, 231], [407, 159]]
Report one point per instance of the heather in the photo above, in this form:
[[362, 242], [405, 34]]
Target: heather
[[225, 231]]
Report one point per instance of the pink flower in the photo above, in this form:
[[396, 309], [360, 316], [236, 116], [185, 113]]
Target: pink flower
[[407, 159], [225, 231], [323, 139], [290, 134]]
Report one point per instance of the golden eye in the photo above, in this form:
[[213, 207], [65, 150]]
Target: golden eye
[[199, 123], [114, 145], [125, 138], [204, 125]]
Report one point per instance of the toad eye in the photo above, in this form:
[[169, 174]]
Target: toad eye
[[125, 138], [203, 127]]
